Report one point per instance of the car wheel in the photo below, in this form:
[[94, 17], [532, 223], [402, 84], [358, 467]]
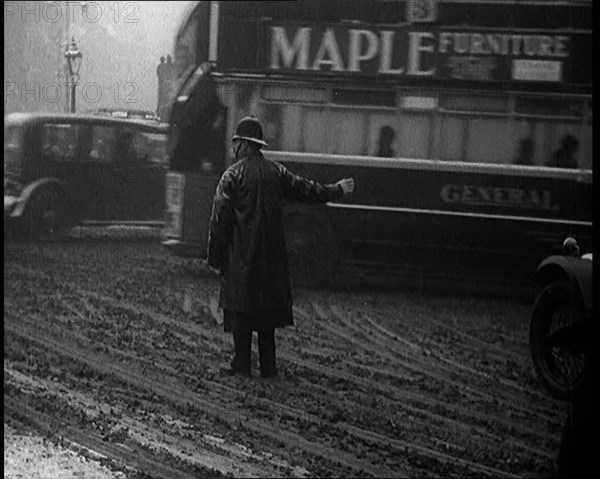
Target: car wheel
[[311, 248], [558, 339], [46, 215]]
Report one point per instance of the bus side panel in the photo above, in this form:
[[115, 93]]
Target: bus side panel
[[479, 216]]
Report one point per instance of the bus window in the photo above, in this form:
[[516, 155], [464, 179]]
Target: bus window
[[552, 118], [488, 140], [314, 130], [525, 129], [411, 134], [289, 130], [347, 131], [451, 134], [272, 125]]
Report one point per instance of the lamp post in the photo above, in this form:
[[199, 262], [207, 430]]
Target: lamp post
[[74, 58]]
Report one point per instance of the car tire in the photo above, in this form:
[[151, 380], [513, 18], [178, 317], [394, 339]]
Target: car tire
[[46, 216], [561, 366], [311, 248]]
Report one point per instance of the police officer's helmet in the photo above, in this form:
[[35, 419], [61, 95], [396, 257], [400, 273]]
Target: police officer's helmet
[[249, 129]]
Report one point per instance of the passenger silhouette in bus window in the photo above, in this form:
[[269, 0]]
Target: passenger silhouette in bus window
[[525, 156], [386, 138], [565, 155]]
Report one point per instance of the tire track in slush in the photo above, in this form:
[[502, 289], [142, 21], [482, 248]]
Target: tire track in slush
[[320, 369], [175, 393], [150, 363], [513, 356], [494, 350], [418, 398], [359, 433], [385, 339], [229, 459], [191, 328], [460, 386], [121, 455], [491, 439], [494, 439], [362, 433]]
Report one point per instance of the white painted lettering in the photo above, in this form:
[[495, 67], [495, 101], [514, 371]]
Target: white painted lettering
[[355, 54], [515, 196], [477, 44], [444, 42], [530, 45], [493, 43], [385, 59], [560, 47], [516, 44], [414, 53], [461, 43], [450, 193], [545, 47], [280, 47], [329, 53]]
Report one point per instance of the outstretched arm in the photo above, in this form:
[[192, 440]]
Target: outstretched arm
[[297, 188]]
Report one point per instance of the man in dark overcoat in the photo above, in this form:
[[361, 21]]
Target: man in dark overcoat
[[247, 245]]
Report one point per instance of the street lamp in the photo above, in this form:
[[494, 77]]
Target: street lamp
[[74, 58]]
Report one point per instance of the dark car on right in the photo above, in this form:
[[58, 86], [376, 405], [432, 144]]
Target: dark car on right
[[560, 335]]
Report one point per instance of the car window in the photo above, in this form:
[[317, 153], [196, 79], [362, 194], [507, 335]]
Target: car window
[[12, 136], [59, 141], [102, 148], [151, 147]]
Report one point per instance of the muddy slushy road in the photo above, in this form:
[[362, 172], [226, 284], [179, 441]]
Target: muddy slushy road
[[112, 347]]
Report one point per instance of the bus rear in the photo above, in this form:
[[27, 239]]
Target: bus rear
[[188, 206], [196, 160]]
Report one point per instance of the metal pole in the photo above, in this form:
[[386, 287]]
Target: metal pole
[[67, 87], [73, 86], [69, 78]]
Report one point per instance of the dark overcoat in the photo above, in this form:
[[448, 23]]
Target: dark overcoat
[[246, 235]]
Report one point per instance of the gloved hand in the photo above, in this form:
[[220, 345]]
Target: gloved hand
[[347, 185]]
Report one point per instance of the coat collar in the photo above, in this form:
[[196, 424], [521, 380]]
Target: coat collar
[[254, 156]]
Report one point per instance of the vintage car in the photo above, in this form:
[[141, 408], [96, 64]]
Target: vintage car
[[560, 328], [65, 169]]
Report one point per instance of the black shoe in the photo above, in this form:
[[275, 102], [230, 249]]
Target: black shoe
[[234, 371], [268, 374]]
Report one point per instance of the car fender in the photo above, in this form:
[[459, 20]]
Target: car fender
[[577, 270], [30, 190]]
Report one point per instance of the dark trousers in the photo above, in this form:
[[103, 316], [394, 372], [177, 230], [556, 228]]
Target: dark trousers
[[242, 342]]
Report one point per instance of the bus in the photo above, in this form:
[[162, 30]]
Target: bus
[[467, 126]]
